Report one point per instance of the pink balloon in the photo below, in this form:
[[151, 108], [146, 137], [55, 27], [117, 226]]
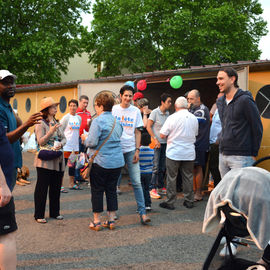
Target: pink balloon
[[141, 85]]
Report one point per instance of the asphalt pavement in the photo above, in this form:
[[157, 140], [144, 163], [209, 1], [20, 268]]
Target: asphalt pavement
[[174, 240]]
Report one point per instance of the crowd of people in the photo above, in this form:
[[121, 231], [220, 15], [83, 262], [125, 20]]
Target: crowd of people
[[157, 148]]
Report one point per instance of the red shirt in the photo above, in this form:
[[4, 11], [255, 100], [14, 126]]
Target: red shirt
[[84, 115]]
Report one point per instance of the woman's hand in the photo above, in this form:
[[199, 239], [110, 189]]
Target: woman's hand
[[54, 127]]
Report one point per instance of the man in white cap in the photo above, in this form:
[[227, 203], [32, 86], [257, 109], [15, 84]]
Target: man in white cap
[[10, 131], [180, 129], [10, 120]]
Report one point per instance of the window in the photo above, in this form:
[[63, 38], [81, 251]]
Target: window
[[263, 101], [63, 104], [15, 104], [28, 105]]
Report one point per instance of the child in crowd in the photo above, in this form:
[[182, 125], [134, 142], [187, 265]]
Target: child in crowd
[[146, 156]]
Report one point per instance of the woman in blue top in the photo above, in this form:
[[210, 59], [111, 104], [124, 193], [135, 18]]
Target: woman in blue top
[[108, 162]]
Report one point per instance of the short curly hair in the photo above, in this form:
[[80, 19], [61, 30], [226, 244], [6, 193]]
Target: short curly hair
[[106, 100]]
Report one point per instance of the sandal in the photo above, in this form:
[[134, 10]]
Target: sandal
[[95, 226], [145, 219], [109, 224], [75, 187], [41, 220], [63, 190]]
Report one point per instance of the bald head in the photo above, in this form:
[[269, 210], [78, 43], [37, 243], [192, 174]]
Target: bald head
[[194, 97]]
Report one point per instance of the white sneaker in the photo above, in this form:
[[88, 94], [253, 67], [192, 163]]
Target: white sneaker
[[223, 241], [118, 190], [225, 250]]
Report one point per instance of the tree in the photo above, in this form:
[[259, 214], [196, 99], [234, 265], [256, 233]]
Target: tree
[[37, 38], [147, 35]]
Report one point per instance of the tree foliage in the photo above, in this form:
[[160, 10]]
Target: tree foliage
[[147, 35], [38, 37]]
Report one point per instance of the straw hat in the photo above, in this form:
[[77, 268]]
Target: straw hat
[[47, 102]]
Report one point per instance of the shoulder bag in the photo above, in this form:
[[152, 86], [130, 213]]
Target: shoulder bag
[[85, 172]]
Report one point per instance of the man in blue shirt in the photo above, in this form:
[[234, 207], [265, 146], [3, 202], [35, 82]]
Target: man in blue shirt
[[8, 224], [8, 119]]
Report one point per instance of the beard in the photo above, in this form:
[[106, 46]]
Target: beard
[[9, 92]]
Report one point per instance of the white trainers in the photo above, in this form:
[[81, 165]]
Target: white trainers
[[225, 250]]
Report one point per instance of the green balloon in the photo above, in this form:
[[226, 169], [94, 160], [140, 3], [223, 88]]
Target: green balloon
[[176, 82]]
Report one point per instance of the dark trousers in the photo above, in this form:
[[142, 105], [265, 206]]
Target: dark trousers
[[214, 162], [159, 167], [145, 180], [47, 179], [104, 180]]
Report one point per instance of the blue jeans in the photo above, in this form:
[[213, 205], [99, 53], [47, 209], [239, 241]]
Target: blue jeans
[[135, 177], [227, 163], [159, 167]]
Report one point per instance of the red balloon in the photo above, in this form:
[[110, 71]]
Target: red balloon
[[141, 85]]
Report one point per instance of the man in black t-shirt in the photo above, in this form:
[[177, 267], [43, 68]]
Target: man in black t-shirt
[[202, 140]]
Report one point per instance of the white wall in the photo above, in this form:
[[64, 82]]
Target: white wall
[[243, 78]]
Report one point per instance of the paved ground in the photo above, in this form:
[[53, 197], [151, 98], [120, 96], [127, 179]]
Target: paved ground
[[173, 241]]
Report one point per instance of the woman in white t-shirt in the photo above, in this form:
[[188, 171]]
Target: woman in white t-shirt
[[71, 123]]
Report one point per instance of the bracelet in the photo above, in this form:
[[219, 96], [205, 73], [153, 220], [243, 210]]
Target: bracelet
[[137, 149]]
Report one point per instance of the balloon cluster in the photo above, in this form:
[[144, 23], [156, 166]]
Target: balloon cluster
[[141, 85], [175, 82]]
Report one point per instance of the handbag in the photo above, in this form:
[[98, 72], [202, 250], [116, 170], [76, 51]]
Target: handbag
[[72, 160], [49, 154], [85, 171]]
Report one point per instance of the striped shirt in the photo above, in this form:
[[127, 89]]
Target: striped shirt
[[146, 157]]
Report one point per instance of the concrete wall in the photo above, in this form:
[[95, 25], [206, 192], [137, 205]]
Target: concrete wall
[[35, 98], [79, 69]]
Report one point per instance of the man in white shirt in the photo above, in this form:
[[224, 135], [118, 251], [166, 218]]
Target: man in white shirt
[[180, 129], [130, 118], [71, 123]]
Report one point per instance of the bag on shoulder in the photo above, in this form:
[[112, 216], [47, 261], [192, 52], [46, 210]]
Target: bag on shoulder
[[85, 171], [46, 153]]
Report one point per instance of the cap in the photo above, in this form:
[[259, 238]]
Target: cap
[[5, 73], [138, 95], [47, 102]]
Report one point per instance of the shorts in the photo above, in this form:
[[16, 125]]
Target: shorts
[[200, 158], [7, 218]]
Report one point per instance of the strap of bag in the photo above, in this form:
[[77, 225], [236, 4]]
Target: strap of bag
[[94, 155]]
